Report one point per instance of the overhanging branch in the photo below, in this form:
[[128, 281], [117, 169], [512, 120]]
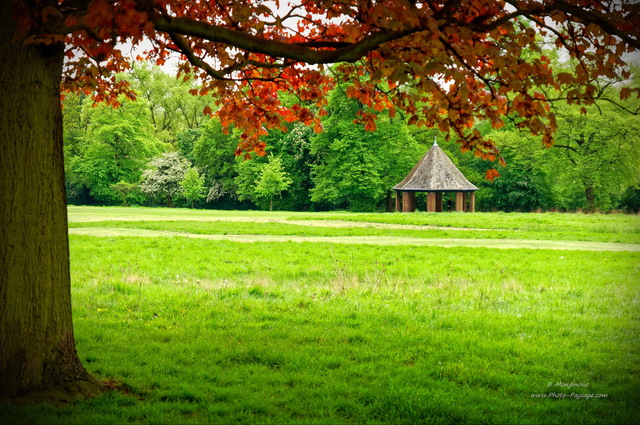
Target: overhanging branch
[[274, 48]]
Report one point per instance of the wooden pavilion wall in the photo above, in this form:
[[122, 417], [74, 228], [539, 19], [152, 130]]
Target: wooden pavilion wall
[[407, 201]]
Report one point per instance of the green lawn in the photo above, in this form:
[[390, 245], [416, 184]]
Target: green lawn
[[548, 226], [209, 331]]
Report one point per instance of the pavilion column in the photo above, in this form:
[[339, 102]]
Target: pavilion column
[[438, 201], [434, 201], [431, 202], [472, 201], [408, 201], [460, 201], [397, 201]]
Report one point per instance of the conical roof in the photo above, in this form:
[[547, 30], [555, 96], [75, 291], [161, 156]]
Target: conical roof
[[435, 172]]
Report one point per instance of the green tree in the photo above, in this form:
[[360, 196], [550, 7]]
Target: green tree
[[248, 171], [214, 154], [170, 107], [272, 180], [630, 201], [125, 190], [193, 186], [293, 148], [355, 168], [523, 185], [74, 126], [162, 179], [116, 146], [596, 156], [185, 142]]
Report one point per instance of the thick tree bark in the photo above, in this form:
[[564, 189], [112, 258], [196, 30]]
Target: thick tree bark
[[37, 348]]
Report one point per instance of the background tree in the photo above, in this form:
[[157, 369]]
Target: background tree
[[248, 170], [595, 157], [525, 184], [213, 154], [74, 125], [272, 180], [171, 107], [193, 186], [124, 189], [163, 177], [293, 148], [630, 201], [354, 167], [594, 160], [445, 64], [116, 146], [185, 141]]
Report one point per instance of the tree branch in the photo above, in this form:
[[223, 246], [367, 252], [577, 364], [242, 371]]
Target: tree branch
[[274, 48], [464, 63], [599, 19], [571, 148], [186, 50]]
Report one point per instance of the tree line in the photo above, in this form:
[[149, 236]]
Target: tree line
[[162, 150]]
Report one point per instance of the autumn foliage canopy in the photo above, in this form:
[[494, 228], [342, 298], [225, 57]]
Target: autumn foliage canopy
[[444, 64]]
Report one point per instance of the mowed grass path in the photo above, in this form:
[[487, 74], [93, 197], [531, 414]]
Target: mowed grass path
[[371, 240], [212, 331], [561, 231]]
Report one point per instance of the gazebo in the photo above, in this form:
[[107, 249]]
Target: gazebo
[[435, 174]]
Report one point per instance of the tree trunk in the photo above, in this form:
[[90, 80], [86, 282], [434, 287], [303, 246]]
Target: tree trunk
[[389, 202], [37, 348], [590, 194]]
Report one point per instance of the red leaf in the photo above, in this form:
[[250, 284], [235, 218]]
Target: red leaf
[[492, 174]]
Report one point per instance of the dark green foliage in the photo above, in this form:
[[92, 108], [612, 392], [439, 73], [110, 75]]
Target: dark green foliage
[[594, 165], [519, 188], [213, 153], [596, 157], [248, 171], [113, 146], [186, 140], [355, 168], [294, 150], [631, 200], [129, 192], [523, 184]]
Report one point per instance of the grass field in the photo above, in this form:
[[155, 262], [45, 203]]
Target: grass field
[[391, 318]]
